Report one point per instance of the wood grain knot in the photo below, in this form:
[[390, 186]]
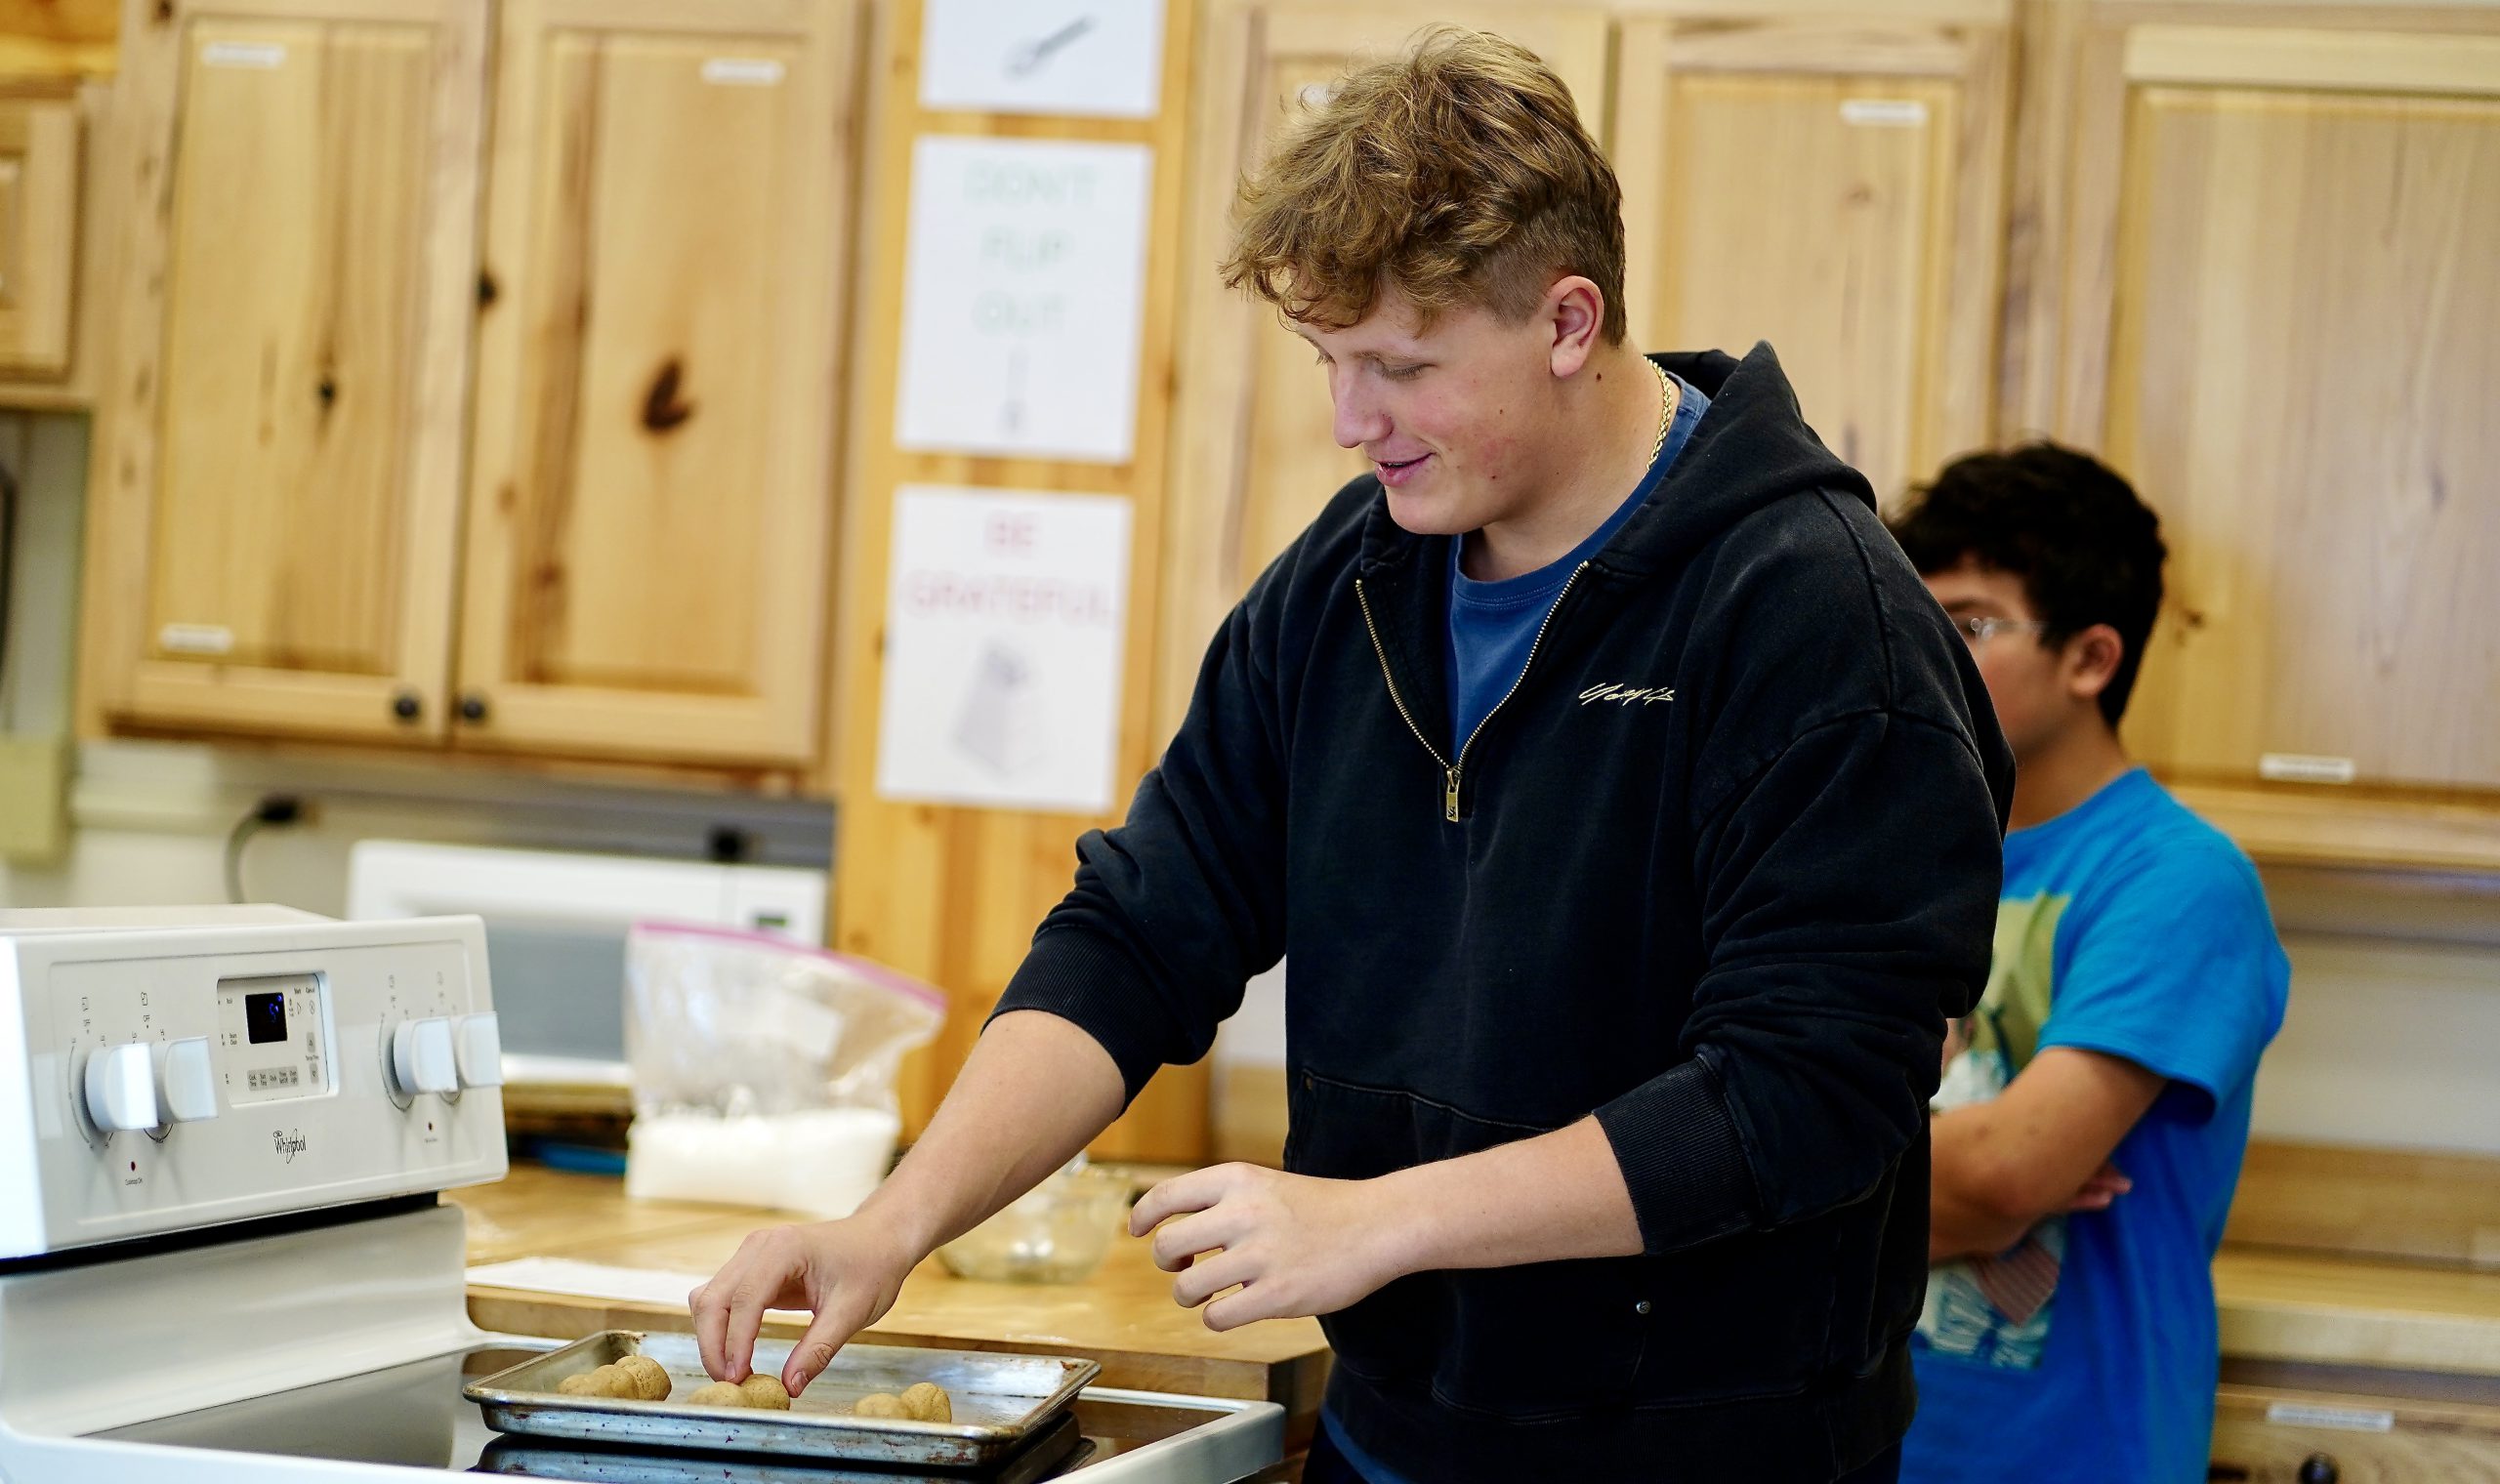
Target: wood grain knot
[[662, 408]]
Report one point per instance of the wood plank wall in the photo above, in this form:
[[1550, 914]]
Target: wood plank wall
[[953, 894]]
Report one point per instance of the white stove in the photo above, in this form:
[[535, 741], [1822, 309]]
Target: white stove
[[221, 1257]]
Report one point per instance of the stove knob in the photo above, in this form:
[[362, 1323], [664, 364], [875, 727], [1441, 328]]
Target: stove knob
[[421, 1059], [121, 1089], [186, 1087], [481, 1051]]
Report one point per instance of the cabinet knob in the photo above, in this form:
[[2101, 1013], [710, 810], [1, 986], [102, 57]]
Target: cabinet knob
[[406, 707], [2319, 1468], [472, 707]]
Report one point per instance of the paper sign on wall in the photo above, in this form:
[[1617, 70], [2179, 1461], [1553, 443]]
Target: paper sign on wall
[[1006, 620], [1023, 298], [1097, 59]]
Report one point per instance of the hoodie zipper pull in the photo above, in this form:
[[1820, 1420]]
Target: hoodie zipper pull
[[1450, 796]]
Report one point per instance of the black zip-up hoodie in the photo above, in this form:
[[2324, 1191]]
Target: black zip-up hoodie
[[1716, 871]]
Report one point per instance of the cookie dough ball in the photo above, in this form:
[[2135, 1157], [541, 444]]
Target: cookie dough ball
[[618, 1382], [929, 1402], [576, 1385], [767, 1392], [649, 1376], [879, 1404], [721, 1393]]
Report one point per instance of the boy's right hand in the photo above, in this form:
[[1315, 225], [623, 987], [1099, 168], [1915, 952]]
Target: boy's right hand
[[845, 1274]]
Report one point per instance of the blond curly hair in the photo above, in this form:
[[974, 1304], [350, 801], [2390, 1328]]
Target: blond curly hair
[[1458, 173]]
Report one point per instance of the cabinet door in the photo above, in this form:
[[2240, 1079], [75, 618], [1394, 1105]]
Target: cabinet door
[[2286, 330], [649, 517], [278, 464], [39, 150], [1256, 457], [1834, 185]]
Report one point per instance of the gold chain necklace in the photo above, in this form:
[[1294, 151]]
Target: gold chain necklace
[[1668, 396]]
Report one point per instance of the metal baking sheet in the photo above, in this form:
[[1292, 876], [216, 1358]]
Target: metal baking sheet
[[1059, 1449], [1001, 1402]]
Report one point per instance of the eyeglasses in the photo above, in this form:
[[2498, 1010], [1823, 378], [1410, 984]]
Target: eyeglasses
[[1977, 630]]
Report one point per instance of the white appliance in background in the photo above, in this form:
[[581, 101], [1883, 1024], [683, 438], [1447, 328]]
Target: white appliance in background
[[221, 1257], [556, 924]]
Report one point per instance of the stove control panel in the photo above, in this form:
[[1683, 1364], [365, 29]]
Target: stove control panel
[[160, 1071], [272, 1033]]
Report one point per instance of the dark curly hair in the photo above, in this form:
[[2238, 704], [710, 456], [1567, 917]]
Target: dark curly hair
[[2087, 549]]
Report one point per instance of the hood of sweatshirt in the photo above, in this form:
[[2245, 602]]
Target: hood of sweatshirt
[[1751, 449]]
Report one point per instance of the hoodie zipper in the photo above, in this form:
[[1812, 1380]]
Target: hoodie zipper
[[1450, 771]]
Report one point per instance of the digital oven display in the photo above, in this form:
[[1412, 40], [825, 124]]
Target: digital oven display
[[264, 1017], [271, 1038]]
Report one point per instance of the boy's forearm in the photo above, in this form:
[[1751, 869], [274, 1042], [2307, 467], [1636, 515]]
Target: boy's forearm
[[1035, 1091], [1968, 1209], [1961, 1226], [1555, 1196], [2002, 1164]]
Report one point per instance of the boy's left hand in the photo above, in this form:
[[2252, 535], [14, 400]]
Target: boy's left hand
[[1291, 1244]]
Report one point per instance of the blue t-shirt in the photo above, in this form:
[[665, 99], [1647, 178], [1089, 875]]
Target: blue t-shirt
[[1493, 625], [2132, 927]]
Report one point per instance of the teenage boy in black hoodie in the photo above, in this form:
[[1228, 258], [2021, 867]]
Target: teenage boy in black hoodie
[[1631, 813]]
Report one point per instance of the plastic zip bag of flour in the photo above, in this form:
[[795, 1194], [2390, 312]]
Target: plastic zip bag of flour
[[764, 1069]]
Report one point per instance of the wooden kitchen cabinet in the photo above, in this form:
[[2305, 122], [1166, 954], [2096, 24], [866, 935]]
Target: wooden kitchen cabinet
[[2278, 315], [41, 139], [276, 468], [1256, 458], [1833, 184], [295, 513], [650, 506], [56, 57]]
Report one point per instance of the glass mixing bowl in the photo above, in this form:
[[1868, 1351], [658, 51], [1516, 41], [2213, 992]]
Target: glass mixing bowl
[[1058, 1232]]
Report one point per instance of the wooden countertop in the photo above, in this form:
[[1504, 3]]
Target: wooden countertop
[[2276, 1304], [1123, 1316]]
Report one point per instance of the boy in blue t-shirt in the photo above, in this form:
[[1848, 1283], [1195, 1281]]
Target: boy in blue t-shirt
[[2093, 1109]]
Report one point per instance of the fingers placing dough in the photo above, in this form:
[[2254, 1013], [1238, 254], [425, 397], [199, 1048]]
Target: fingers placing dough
[[929, 1402], [650, 1378], [721, 1393], [764, 1389], [879, 1404]]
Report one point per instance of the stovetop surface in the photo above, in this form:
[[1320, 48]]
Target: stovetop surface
[[414, 1416]]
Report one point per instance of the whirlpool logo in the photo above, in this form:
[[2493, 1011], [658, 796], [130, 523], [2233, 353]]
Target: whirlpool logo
[[289, 1145]]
